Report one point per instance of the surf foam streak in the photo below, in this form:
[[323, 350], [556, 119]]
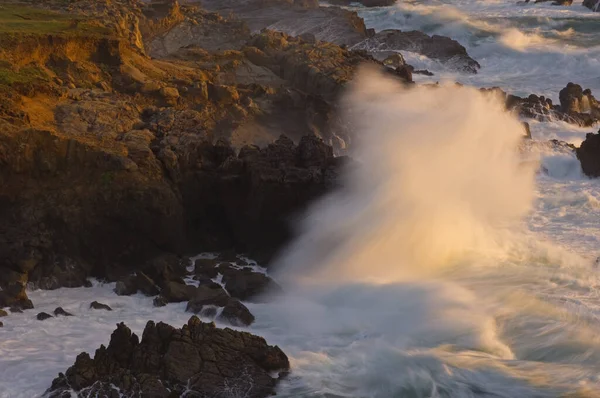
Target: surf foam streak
[[438, 178]]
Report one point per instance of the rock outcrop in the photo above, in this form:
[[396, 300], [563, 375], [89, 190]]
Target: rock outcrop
[[344, 27], [577, 106], [197, 359], [440, 48], [109, 159], [588, 154]]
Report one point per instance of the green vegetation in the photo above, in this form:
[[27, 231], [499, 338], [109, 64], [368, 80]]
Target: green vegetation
[[24, 75], [20, 19]]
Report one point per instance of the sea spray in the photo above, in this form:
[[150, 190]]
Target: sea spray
[[438, 177]]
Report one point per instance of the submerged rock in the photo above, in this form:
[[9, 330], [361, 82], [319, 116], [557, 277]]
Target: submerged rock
[[42, 316], [60, 311], [99, 306], [197, 359]]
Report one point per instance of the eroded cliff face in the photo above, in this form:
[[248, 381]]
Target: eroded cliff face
[[114, 151]]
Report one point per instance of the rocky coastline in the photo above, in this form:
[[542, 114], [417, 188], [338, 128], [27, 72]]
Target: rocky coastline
[[136, 134]]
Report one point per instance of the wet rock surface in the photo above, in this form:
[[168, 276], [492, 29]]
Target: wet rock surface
[[588, 154], [577, 106], [99, 306], [440, 48], [198, 359]]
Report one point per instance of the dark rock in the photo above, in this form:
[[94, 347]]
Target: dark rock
[[577, 106], [42, 316], [424, 72], [3, 313], [440, 48], [99, 306], [160, 271], [588, 154], [593, 5], [159, 301], [206, 299], [1, 325], [60, 311], [198, 359], [245, 284], [579, 103], [15, 297], [237, 314], [15, 310], [207, 296], [134, 283], [527, 130], [175, 292]]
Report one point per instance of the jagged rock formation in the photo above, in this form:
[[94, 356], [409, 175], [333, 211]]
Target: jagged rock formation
[[109, 158], [440, 48], [344, 27], [132, 130], [588, 154], [197, 359], [577, 106]]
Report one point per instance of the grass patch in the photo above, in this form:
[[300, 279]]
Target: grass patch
[[20, 19], [26, 75]]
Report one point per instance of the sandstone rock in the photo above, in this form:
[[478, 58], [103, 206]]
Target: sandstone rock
[[198, 359], [60, 311], [42, 316], [99, 306], [589, 155]]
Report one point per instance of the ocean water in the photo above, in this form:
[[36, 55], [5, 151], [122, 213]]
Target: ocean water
[[451, 266]]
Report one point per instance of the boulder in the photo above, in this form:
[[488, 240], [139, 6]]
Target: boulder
[[42, 316], [134, 283], [574, 100], [175, 292], [245, 284], [60, 311], [197, 359], [3, 313], [15, 297], [99, 306], [588, 154], [208, 299], [236, 314]]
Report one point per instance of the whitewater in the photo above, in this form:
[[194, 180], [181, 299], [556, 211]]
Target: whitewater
[[449, 266]]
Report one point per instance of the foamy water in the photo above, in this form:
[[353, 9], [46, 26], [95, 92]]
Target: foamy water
[[447, 270]]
